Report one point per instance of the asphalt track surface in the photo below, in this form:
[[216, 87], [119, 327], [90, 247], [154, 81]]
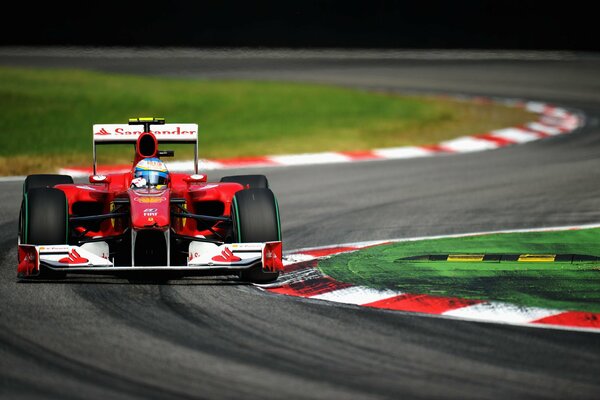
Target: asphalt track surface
[[215, 338]]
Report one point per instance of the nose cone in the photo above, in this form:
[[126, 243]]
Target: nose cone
[[150, 208]]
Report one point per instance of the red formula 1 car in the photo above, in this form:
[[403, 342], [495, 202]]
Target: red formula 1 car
[[148, 221]]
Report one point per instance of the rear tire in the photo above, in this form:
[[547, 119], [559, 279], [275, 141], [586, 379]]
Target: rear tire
[[255, 216], [248, 181]]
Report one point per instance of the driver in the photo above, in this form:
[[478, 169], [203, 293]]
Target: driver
[[150, 172]]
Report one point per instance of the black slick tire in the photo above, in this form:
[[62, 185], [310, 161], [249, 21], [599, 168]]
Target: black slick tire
[[255, 216], [248, 181], [45, 180], [44, 220]]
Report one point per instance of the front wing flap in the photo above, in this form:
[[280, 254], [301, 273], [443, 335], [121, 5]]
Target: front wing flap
[[94, 259]]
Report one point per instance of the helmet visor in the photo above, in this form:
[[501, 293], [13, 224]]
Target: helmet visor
[[153, 178]]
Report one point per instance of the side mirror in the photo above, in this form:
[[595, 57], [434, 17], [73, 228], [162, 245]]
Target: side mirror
[[99, 179], [196, 178]]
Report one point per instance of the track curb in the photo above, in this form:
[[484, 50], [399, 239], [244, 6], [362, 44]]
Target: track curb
[[551, 121], [302, 278]]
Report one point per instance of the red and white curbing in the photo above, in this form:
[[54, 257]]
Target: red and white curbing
[[551, 121], [302, 278]]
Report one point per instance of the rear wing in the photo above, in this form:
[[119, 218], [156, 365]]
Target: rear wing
[[129, 133]]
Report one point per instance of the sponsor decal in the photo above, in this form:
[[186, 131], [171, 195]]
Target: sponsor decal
[[28, 256], [207, 187], [138, 182], [198, 249], [28, 262], [85, 187], [226, 256], [124, 132], [149, 199], [54, 249], [247, 246], [177, 131], [272, 256], [102, 132], [152, 165], [73, 258], [150, 212]]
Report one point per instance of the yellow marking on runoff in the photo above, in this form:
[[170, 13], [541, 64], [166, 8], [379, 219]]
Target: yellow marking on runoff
[[537, 257], [465, 257]]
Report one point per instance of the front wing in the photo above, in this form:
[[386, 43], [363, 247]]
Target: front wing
[[93, 259]]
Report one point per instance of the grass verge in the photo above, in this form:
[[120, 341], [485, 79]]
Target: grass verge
[[561, 285], [46, 116]]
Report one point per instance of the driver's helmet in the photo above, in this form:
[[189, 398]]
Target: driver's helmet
[[150, 172]]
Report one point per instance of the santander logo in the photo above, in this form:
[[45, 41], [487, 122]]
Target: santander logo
[[226, 256], [73, 258], [102, 132]]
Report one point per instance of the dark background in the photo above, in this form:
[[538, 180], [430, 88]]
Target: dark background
[[318, 24]]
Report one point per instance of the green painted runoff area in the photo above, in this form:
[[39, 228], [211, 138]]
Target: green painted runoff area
[[46, 116], [558, 285]]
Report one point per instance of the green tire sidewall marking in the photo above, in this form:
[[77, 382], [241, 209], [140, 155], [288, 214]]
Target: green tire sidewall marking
[[26, 221], [67, 221], [237, 219], [278, 219]]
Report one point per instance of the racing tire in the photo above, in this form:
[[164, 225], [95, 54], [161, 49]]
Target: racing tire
[[248, 181], [255, 216], [35, 181], [45, 217], [44, 221], [45, 180]]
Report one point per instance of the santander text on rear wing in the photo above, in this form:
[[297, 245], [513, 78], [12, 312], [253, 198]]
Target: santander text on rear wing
[[124, 133], [129, 133]]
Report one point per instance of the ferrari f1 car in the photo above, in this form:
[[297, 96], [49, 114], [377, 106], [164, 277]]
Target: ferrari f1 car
[[148, 221]]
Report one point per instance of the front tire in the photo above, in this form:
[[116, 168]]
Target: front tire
[[255, 216], [45, 180], [248, 181], [44, 221], [44, 217]]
